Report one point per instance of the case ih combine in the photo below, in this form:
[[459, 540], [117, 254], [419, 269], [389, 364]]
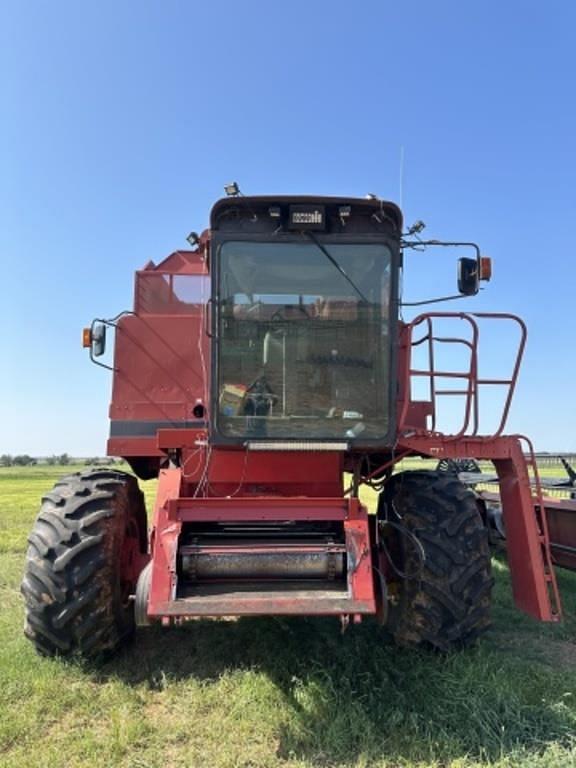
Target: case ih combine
[[255, 374]]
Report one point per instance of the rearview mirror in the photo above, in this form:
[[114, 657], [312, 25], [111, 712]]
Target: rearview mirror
[[98, 339], [468, 277]]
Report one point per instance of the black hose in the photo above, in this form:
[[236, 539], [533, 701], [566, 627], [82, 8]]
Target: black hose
[[403, 531]]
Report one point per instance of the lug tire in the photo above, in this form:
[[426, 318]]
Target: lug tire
[[85, 548], [455, 466], [445, 601]]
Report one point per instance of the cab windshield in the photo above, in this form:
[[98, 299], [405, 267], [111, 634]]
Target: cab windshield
[[304, 349]]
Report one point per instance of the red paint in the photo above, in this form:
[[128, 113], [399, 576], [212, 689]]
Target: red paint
[[358, 595], [164, 538], [274, 508], [162, 364], [561, 520]]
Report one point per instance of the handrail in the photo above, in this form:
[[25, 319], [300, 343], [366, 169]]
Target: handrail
[[471, 420], [542, 520], [517, 363]]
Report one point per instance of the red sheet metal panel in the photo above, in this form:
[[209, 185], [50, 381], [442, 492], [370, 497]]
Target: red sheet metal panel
[[353, 595], [561, 517], [164, 538], [303, 603], [256, 508], [524, 540]]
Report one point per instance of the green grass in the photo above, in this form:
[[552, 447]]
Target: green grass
[[282, 692]]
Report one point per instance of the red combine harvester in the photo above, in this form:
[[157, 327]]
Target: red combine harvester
[[255, 374]]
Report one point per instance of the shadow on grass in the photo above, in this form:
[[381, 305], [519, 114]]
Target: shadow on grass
[[356, 694]]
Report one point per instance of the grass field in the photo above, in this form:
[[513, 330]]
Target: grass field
[[282, 692]]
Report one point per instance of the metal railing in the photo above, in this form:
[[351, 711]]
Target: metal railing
[[469, 377]]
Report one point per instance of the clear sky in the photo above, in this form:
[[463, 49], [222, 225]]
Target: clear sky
[[121, 121]]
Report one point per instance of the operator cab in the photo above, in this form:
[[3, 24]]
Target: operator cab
[[304, 292]]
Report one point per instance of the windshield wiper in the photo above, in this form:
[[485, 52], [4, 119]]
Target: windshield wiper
[[333, 261]]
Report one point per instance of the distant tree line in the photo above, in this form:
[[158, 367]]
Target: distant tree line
[[17, 461], [24, 460], [62, 460]]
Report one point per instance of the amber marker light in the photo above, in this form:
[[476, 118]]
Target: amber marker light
[[86, 337], [485, 268]]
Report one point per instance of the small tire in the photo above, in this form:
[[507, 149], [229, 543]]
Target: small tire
[[455, 466], [141, 597], [444, 602], [85, 552]]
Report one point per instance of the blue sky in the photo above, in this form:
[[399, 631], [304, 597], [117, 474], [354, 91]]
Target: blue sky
[[120, 123]]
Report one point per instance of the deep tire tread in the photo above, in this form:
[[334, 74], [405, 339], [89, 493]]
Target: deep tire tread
[[448, 605], [71, 583]]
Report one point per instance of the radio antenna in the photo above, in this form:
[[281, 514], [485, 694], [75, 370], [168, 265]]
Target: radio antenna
[[401, 178]]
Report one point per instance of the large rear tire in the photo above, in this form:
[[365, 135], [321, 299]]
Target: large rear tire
[[85, 551], [444, 597]]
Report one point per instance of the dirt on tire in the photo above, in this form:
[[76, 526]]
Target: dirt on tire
[[75, 581], [445, 600]]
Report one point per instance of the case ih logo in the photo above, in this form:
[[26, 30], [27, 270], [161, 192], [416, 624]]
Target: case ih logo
[[307, 217]]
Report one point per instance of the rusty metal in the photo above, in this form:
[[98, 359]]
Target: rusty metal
[[265, 560]]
